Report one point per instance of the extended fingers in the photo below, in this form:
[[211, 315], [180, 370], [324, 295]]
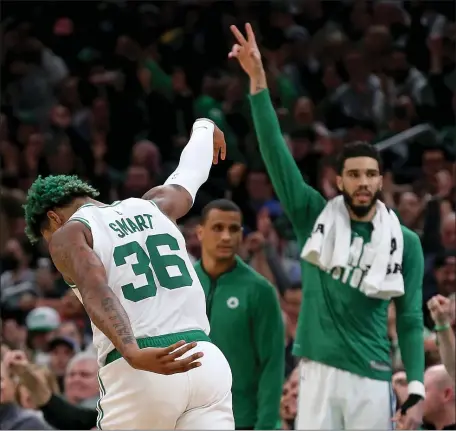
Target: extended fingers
[[186, 364], [180, 352], [250, 34], [238, 35], [223, 150], [172, 348]]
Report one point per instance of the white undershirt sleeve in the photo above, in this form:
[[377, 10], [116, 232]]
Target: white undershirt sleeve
[[196, 158]]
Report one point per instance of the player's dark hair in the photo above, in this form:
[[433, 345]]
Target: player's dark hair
[[221, 205], [45, 194], [358, 149]]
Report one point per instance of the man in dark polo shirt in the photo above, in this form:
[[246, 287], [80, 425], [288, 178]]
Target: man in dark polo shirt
[[439, 405]]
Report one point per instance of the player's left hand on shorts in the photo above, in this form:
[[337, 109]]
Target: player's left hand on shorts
[[166, 360]]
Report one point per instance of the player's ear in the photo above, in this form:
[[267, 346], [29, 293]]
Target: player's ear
[[54, 218], [340, 184], [199, 232], [380, 184]]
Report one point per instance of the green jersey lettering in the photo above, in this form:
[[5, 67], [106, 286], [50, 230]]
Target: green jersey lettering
[[123, 226], [132, 225], [149, 219], [120, 233], [140, 222], [126, 226]]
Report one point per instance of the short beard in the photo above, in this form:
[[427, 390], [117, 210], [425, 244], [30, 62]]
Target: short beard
[[360, 210]]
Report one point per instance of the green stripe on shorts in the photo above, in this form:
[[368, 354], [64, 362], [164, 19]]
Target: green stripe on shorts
[[162, 341]]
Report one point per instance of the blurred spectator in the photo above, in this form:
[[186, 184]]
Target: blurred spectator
[[448, 231], [113, 98], [18, 288], [12, 415], [408, 80], [80, 381], [42, 390], [445, 272], [61, 351], [189, 230], [14, 331], [410, 210], [439, 405], [70, 330], [41, 322], [361, 98], [289, 401]]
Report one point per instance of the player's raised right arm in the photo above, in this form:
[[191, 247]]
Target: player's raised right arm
[[176, 196], [301, 202]]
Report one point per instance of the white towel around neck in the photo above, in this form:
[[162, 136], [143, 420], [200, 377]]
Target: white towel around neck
[[330, 246]]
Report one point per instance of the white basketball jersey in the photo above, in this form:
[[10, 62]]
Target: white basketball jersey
[[148, 269]]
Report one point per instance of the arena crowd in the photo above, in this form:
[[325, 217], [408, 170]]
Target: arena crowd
[[109, 91]]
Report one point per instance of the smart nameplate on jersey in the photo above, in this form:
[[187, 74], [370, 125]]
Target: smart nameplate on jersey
[[128, 225]]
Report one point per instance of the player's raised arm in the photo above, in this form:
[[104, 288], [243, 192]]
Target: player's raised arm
[[300, 201], [176, 196], [72, 253]]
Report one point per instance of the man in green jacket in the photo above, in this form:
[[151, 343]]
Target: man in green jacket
[[342, 330], [245, 318]]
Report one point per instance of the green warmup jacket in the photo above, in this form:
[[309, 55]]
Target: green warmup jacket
[[338, 325], [247, 326]]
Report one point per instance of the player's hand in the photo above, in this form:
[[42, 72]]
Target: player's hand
[[219, 145], [246, 51], [439, 306], [166, 360], [411, 419]]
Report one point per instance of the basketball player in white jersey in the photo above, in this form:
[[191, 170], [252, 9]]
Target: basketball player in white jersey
[[128, 264]]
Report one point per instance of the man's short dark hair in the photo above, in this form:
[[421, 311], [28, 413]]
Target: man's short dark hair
[[358, 149], [442, 257], [221, 205]]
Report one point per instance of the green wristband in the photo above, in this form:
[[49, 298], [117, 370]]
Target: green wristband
[[440, 328]]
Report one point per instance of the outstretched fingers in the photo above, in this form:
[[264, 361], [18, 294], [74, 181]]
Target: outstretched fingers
[[182, 365], [172, 348], [179, 352], [238, 35], [250, 34], [223, 151]]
